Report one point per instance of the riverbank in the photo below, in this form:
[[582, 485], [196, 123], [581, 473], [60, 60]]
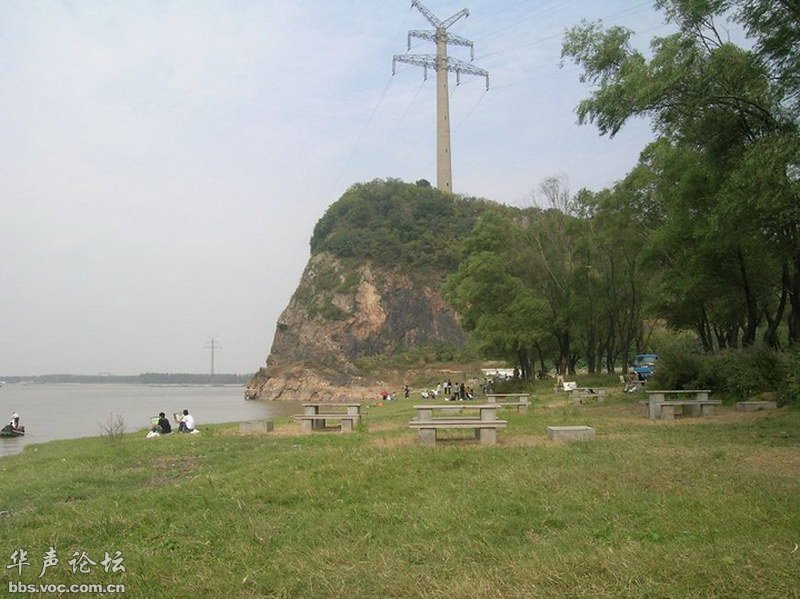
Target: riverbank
[[700, 507], [65, 411]]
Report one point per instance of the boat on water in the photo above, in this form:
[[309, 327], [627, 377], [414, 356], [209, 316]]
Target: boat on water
[[9, 431]]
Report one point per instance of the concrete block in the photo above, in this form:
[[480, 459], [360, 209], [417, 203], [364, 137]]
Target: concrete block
[[427, 436], [569, 433], [752, 406], [488, 436], [256, 427]]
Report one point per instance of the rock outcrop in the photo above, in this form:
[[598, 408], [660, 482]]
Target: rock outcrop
[[341, 312], [373, 286]]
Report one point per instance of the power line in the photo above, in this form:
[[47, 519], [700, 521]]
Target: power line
[[471, 110], [623, 13], [495, 15], [561, 72], [405, 112], [521, 21], [363, 131]]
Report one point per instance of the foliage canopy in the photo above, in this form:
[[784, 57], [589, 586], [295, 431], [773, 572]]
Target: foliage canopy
[[396, 223]]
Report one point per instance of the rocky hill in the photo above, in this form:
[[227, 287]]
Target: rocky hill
[[372, 286]]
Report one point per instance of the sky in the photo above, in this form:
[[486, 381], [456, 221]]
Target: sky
[[163, 162]]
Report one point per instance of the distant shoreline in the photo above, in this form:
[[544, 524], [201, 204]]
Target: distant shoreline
[[137, 379]]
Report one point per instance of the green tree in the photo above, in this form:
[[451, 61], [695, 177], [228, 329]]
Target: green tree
[[727, 120]]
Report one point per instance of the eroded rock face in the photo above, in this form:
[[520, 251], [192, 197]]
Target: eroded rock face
[[342, 311]]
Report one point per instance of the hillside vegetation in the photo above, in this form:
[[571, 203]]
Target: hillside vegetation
[[394, 223]]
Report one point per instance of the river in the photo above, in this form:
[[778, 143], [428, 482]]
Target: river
[[51, 412]]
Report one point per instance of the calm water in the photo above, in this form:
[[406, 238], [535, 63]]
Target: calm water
[[51, 412]]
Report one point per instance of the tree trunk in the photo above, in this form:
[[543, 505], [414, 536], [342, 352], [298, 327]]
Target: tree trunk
[[541, 357], [753, 313], [771, 334], [793, 285], [524, 363], [704, 331]]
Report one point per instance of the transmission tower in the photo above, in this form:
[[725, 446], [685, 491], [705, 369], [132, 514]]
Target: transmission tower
[[442, 64], [213, 345]]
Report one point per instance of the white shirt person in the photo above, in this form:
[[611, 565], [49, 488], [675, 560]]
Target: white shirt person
[[187, 422]]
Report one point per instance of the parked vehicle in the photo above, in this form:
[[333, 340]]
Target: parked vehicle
[[644, 365]]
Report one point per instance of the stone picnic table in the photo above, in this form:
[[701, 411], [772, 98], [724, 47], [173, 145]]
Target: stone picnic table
[[660, 404], [485, 424], [314, 418], [521, 401], [582, 394]]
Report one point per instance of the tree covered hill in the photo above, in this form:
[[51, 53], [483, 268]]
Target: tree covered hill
[[395, 223]]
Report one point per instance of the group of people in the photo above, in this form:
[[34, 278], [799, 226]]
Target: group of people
[[164, 427], [457, 391], [452, 391]]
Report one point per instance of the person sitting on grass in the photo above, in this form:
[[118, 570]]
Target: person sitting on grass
[[187, 422], [163, 426]]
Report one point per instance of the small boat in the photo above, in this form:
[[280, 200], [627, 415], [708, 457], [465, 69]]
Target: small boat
[[9, 431]]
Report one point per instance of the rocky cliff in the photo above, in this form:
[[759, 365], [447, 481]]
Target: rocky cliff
[[372, 286]]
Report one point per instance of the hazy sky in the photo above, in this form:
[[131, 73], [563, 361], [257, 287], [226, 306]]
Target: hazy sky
[[163, 163]]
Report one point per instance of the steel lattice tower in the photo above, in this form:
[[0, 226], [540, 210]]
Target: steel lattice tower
[[442, 64]]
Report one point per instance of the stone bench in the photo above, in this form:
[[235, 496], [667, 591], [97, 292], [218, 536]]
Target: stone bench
[[510, 400], [582, 395], [522, 405], [753, 406], [311, 422], [329, 407], [485, 430], [252, 427], [696, 404], [665, 410], [570, 433]]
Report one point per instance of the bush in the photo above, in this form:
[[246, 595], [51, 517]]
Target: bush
[[677, 369], [113, 429], [736, 374], [740, 374], [789, 393]]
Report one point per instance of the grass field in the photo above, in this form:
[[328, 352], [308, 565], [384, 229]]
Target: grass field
[[692, 508]]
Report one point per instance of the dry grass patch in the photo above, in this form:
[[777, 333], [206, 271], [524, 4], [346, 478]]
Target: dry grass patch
[[382, 427], [524, 440], [782, 460], [390, 442], [169, 470]]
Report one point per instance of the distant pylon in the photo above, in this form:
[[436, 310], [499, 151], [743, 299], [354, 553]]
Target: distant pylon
[[441, 63], [213, 345]]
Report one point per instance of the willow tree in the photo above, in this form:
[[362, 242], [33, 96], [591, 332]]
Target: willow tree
[[727, 120]]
